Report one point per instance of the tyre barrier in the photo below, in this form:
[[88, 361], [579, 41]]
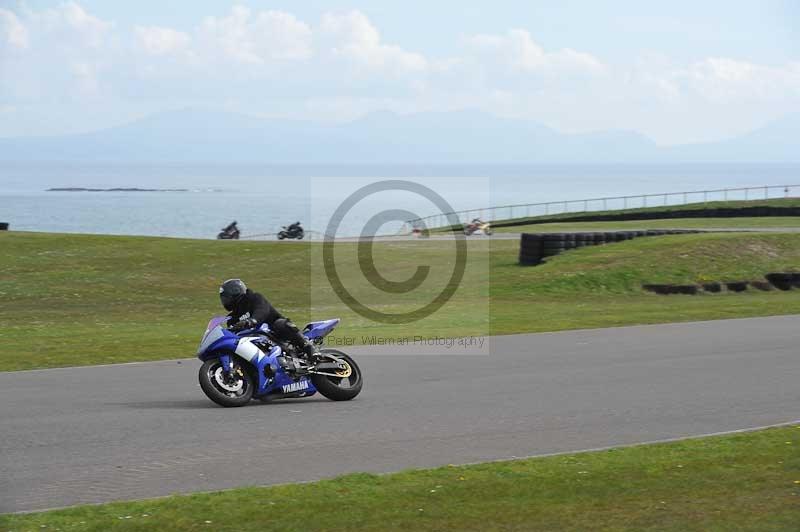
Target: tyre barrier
[[531, 249], [661, 289], [536, 246], [665, 289], [781, 281], [764, 286], [3, 226], [736, 286], [713, 288]]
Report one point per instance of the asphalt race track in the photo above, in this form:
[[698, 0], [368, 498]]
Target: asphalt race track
[[96, 434]]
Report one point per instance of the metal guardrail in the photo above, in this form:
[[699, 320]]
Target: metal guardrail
[[665, 199]]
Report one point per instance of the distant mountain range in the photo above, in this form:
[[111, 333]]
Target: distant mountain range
[[462, 137]]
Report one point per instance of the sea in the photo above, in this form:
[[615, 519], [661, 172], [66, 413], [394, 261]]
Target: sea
[[345, 200]]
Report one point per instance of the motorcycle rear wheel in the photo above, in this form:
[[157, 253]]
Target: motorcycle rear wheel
[[340, 388], [236, 392]]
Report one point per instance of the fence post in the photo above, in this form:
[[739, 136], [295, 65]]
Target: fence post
[[766, 192], [726, 194]]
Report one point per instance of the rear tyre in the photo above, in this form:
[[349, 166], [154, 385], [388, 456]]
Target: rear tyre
[[236, 390], [339, 388]]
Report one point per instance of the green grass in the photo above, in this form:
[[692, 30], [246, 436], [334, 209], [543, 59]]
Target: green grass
[[70, 300], [764, 222], [748, 481]]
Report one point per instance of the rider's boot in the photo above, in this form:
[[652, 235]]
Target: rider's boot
[[309, 350]]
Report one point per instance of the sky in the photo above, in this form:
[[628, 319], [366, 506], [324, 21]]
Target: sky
[[678, 71]]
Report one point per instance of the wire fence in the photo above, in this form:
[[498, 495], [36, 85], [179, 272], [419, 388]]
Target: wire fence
[[665, 199]]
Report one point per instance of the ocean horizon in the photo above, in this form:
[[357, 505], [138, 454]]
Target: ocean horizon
[[262, 198]]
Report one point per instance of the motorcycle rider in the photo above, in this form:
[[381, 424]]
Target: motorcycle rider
[[248, 309], [294, 228]]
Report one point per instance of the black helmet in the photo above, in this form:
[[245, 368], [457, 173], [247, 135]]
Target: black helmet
[[230, 292]]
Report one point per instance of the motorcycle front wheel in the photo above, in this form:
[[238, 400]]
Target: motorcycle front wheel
[[229, 391], [341, 388], [487, 232]]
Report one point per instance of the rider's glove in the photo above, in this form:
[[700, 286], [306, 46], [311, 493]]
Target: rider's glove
[[248, 323]]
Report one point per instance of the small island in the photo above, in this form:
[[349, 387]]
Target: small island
[[122, 189]]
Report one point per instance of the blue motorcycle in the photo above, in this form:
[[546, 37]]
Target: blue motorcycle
[[255, 364]]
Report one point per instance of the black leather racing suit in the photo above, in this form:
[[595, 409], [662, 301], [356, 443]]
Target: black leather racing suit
[[255, 307]]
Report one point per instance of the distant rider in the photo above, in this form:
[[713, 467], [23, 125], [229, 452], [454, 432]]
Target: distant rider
[[248, 309]]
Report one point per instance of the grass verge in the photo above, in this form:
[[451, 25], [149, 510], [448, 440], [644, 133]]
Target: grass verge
[[746, 481], [69, 300]]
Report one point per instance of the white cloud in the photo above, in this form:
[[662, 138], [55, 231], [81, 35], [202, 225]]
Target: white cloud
[[258, 38], [156, 40], [71, 22], [341, 65], [517, 51], [352, 36], [726, 80], [12, 32]]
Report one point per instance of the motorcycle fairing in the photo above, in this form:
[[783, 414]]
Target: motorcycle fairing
[[219, 342], [319, 329]]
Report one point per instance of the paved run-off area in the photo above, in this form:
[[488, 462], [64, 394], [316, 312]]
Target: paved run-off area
[[95, 434]]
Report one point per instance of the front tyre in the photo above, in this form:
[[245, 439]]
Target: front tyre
[[233, 390], [341, 388], [488, 231]]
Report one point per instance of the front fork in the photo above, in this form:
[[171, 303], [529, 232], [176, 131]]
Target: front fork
[[227, 365]]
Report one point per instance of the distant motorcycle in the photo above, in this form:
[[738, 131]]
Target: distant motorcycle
[[477, 225], [420, 233], [231, 232], [294, 231]]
